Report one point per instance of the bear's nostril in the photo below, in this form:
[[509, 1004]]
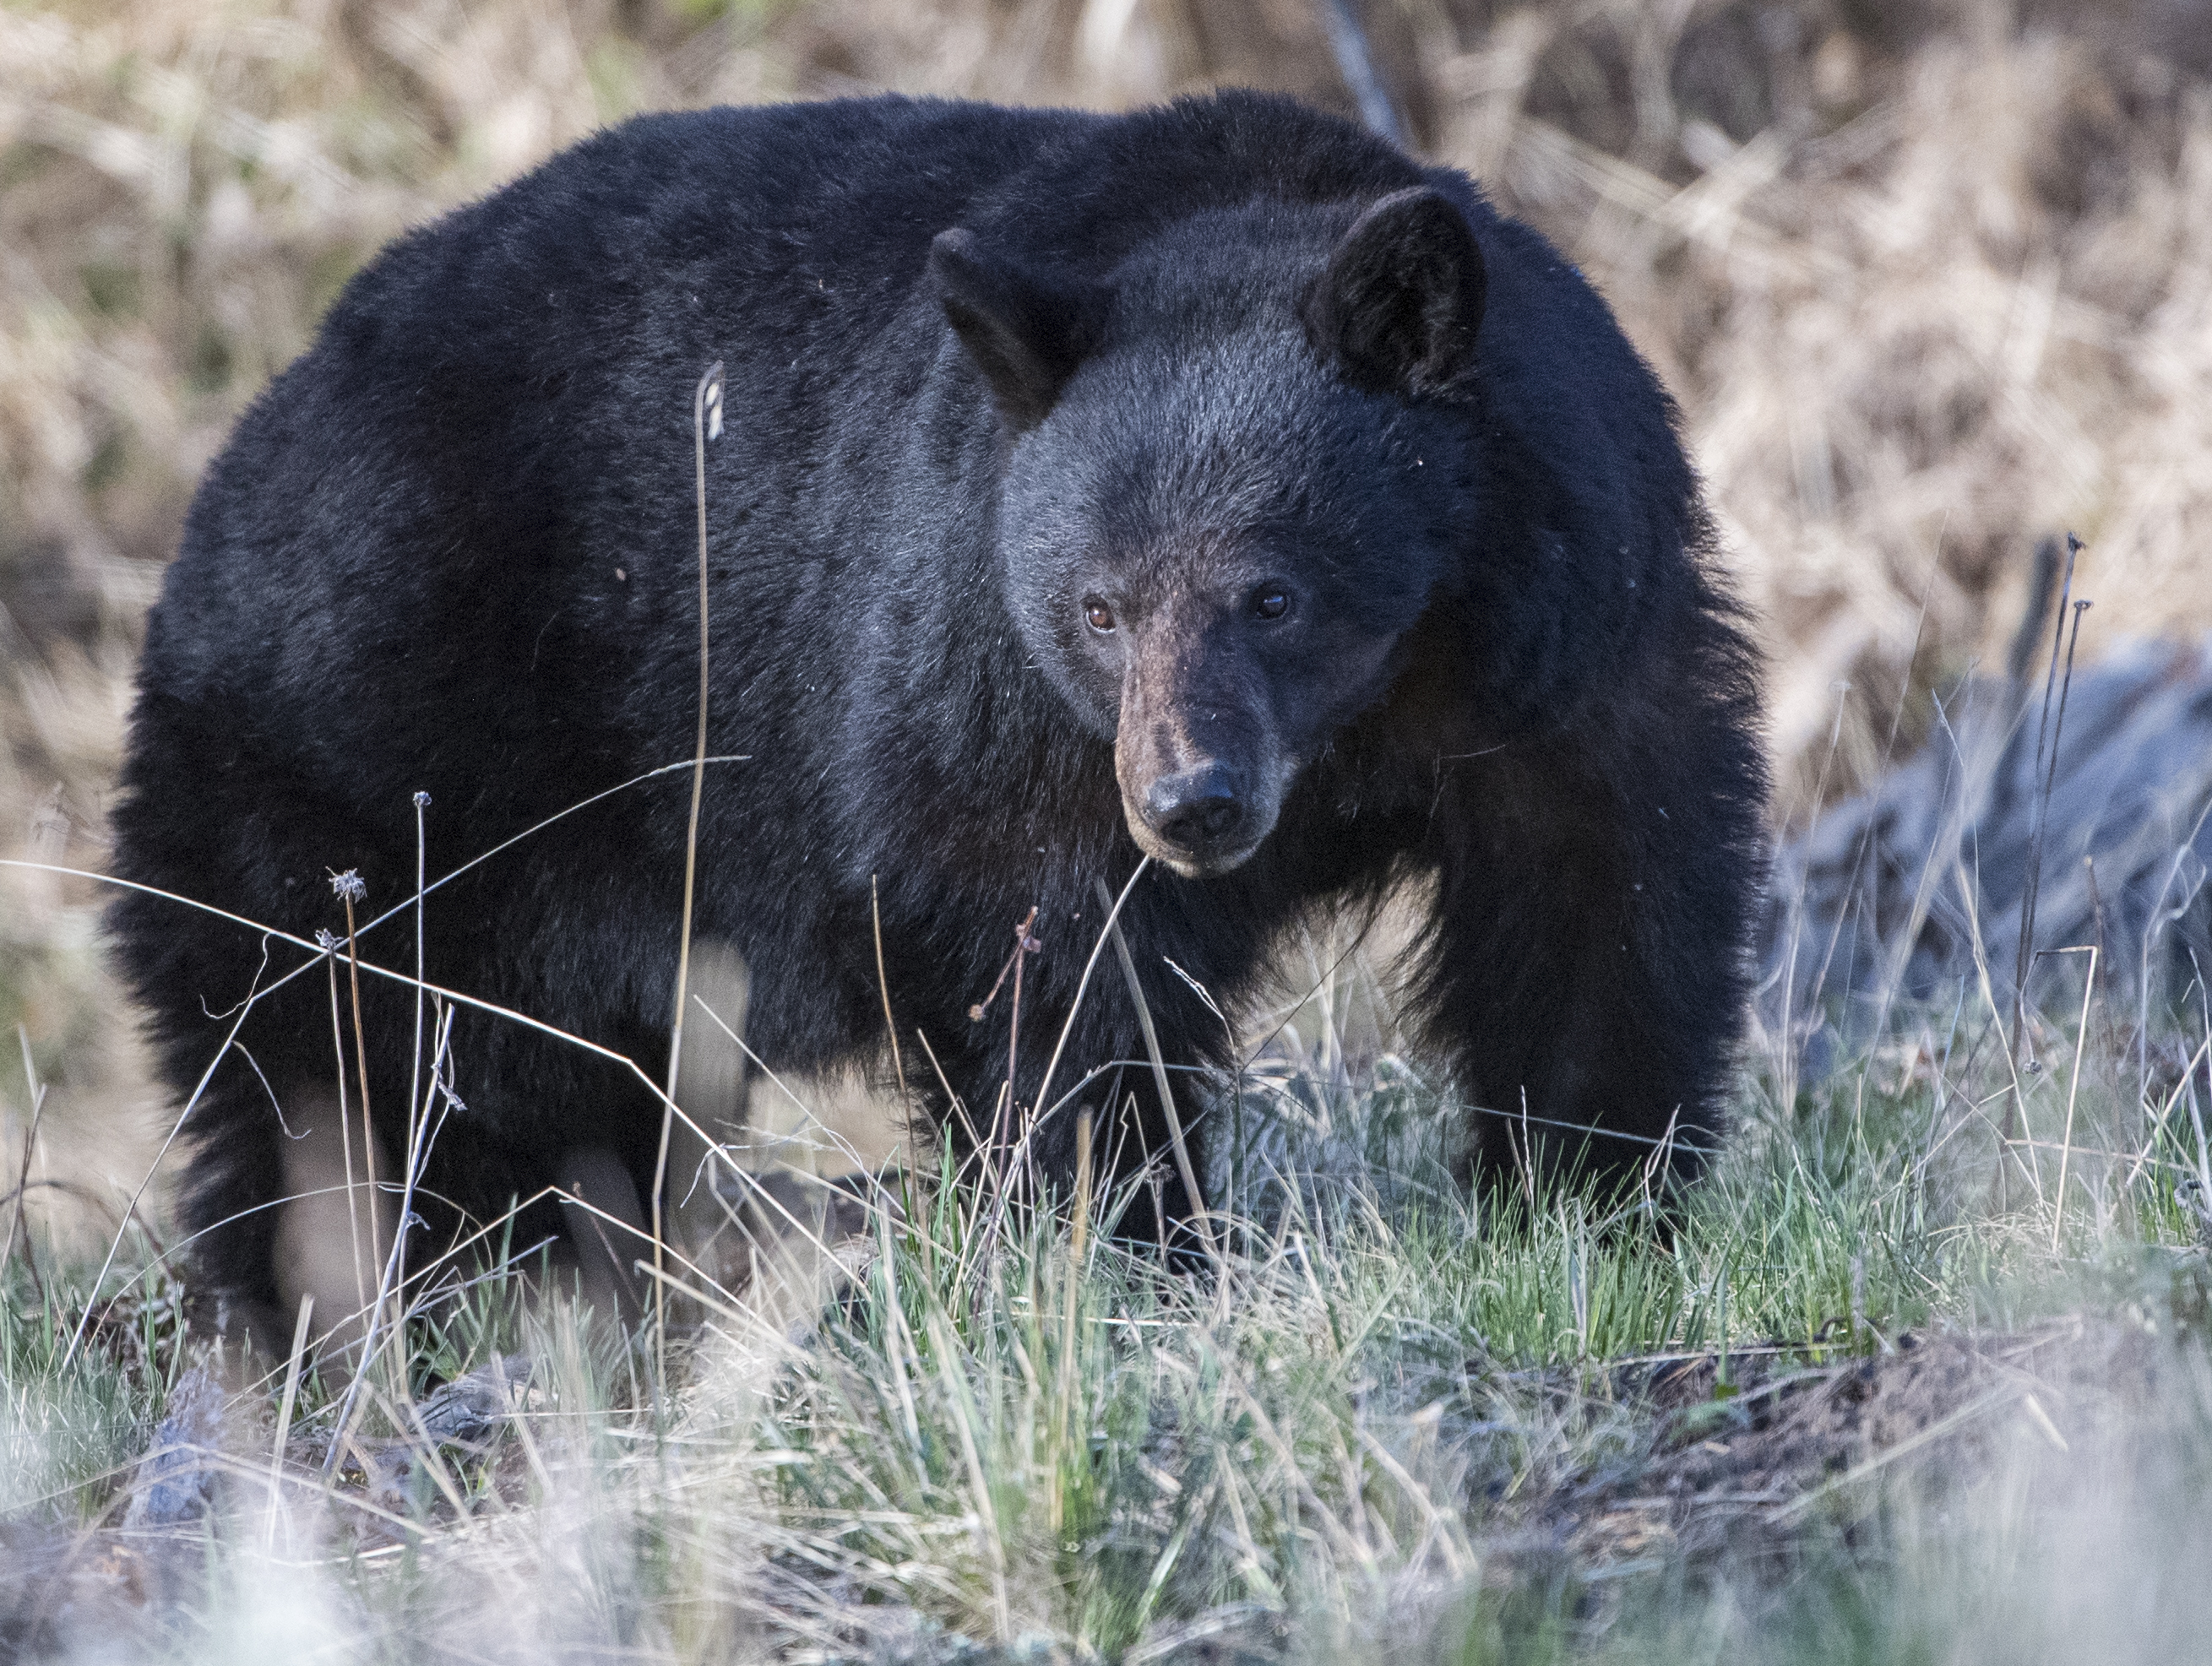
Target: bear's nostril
[[1196, 808]]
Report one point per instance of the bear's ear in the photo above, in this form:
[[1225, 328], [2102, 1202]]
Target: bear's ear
[[1025, 332], [1398, 303]]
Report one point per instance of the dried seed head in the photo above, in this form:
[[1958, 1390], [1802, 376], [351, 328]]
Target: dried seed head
[[714, 402], [349, 886]]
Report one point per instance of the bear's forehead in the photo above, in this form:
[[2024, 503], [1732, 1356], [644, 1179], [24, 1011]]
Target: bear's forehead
[[1251, 414], [1205, 497]]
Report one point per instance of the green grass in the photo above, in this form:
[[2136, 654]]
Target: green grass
[[1376, 1434]]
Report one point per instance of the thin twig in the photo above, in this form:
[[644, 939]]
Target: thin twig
[[884, 988], [1024, 945], [345, 1138], [418, 1103], [2015, 1114], [349, 886], [1181, 1146]]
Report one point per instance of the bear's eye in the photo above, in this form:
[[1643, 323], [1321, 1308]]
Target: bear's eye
[[1100, 616], [1271, 604]]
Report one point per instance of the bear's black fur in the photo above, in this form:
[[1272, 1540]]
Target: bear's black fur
[[1213, 471]]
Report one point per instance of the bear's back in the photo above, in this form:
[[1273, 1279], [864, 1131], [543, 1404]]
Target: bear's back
[[466, 371]]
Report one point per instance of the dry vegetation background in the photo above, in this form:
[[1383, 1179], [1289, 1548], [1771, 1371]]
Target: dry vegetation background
[[1928, 281]]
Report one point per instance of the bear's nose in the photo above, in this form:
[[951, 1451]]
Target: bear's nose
[[1197, 808]]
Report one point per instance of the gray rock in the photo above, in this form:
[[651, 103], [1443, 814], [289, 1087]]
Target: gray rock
[[175, 1481]]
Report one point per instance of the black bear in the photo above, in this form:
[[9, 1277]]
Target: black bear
[[1212, 484]]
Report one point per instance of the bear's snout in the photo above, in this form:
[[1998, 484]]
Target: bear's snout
[[1198, 810], [1197, 754], [1202, 810]]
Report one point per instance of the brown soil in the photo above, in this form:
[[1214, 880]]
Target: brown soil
[[1780, 1444]]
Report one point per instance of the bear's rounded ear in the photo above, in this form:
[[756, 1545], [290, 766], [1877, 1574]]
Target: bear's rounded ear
[[1026, 332], [1397, 305]]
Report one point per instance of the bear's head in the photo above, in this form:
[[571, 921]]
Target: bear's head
[[1237, 468]]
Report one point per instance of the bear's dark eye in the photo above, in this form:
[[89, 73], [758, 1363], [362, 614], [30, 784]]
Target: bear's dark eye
[[1101, 616], [1271, 604]]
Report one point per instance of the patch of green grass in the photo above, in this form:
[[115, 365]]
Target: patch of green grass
[[71, 1425]]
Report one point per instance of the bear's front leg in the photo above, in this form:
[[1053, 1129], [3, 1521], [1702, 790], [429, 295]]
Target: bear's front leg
[[1587, 975]]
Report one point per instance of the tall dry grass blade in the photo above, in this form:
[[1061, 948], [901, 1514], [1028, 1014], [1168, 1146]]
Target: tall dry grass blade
[[2049, 778], [421, 1136], [1009, 1108], [1077, 1243], [898, 1346], [1046, 1105], [2195, 1113], [2066, 1139], [37, 1090], [416, 1119], [351, 889], [284, 1409], [706, 414], [959, 1107], [421, 801], [378, 1332]]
